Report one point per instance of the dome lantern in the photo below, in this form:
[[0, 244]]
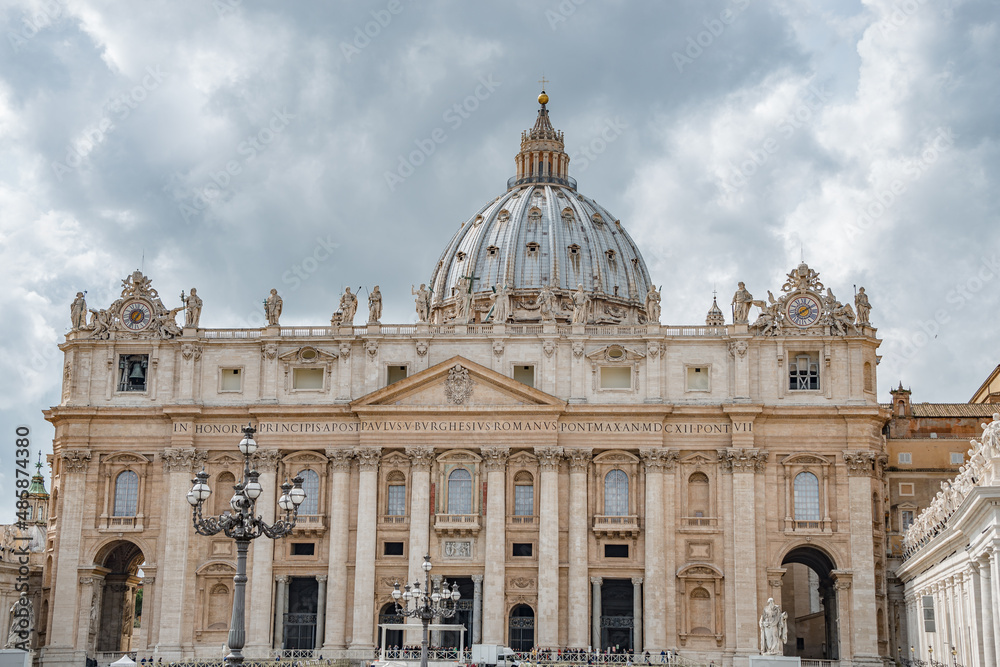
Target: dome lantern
[[542, 158]]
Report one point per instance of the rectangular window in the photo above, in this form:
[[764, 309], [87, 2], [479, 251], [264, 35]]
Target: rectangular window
[[905, 458], [616, 551], [307, 378], [957, 458], [803, 372], [132, 369], [395, 374], [697, 378], [928, 613], [392, 548], [905, 519], [231, 379], [521, 550], [616, 377], [303, 548], [524, 500], [397, 500], [525, 375], [906, 488]]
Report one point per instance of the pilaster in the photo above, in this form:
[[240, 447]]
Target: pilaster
[[74, 464], [421, 459], [577, 598], [363, 635], [861, 467], [547, 618], [495, 464], [339, 513], [262, 562]]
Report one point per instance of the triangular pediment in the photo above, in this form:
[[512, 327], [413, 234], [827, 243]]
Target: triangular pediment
[[458, 383]]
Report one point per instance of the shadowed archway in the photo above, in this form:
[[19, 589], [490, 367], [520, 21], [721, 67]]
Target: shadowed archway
[[113, 613], [809, 597]]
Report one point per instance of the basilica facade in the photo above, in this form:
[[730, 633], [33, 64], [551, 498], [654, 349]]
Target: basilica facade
[[587, 475]]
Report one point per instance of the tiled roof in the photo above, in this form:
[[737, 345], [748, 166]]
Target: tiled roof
[[951, 409]]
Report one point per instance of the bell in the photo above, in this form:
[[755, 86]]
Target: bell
[[136, 373]]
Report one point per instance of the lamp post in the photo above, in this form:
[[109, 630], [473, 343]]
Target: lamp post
[[426, 603], [244, 525]]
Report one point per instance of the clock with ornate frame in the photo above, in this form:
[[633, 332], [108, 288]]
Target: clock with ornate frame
[[136, 315], [803, 310]]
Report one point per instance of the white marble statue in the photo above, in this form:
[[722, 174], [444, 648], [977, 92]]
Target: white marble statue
[[546, 304], [348, 307], [742, 300], [581, 305], [653, 305], [78, 312], [463, 305], [192, 314], [501, 304], [422, 302], [272, 306], [862, 306], [22, 621], [773, 629], [374, 306]]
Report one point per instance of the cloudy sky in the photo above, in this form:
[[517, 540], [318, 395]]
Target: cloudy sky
[[236, 146]]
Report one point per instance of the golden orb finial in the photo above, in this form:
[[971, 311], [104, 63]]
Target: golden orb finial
[[543, 98]]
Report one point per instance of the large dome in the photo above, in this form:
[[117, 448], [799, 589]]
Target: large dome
[[542, 232]]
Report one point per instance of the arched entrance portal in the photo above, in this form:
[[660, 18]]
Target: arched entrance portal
[[808, 595], [117, 600], [521, 633], [393, 638]]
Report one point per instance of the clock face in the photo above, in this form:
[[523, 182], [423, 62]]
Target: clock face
[[136, 315], [803, 311]]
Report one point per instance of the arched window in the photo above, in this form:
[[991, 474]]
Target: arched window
[[310, 484], [522, 628], [524, 494], [698, 498], [460, 491], [223, 492], [218, 607], [616, 493], [702, 612], [396, 499], [126, 493], [806, 497]]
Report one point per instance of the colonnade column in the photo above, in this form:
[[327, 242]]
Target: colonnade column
[[986, 598], [280, 605], [595, 625], [495, 464], [339, 509], [994, 561], [579, 466], [362, 636], [637, 634], [547, 618], [477, 609], [861, 467], [656, 603], [73, 466], [421, 459], [743, 464], [261, 578], [321, 607]]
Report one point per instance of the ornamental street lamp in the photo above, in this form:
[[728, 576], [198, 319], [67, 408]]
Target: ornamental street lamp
[[427, 603], [243, 525]]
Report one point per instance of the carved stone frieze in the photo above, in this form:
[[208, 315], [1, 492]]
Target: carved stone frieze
[[578, 349], [458, 387], [266, 460], [75, 460], [368, 458], [191, 351], [269, 351], [861, 464], [522, 583], [178, 459], [549, 457], [743, 459], [498, 347], [579, 458], [495, 458], [422, 347], [548, 347], [653, 349], [421, 458], [659, 459], [340, 458], [371, 347], [738, 349], [345, 350]]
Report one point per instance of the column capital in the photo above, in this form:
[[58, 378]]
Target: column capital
[[368, 458], [494, 458], [774, 576], [579, 458], [658, 459], [340, 458], [266, 460], [421, 458], [75, 460], [862, 463], [842, 579], [477, 579], [636, 581], [282, 578], [734, 460], [549, 457], [182, 459], [597, 580], [321, 578]]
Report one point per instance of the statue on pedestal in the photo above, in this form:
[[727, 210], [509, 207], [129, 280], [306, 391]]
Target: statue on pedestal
[[581, 305], [422, 302], [501, 304], [193, 304], [546, 303], [374, 306], [742, 301], [272, 307], [773, 629], [348, 306], [653, 305], [862, 306], [78, 312]]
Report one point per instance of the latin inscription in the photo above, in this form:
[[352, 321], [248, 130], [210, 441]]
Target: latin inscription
[[507, 426], [697, 428]]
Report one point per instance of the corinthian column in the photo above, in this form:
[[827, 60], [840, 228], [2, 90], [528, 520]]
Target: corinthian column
[[477, 609], [336, 592], [548, 546], [261, 569], [364, 551], [73, 467], [656, 601], [495, 464], [595, 625], [421, 459], [579, 464], [860, 469]]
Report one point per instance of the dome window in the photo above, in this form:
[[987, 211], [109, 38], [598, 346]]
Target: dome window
[[574, 249], [598, 220], [492, 251], [478, 221], [534, 215], [532, 249], [461, 256], [611, 255], [504, 216], [567, 215]]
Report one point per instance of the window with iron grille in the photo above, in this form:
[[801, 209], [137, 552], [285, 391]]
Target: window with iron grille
[[397, 500], [524, 500], [616, 493], [806, 497], [132, 370], [126, 494], [803, 372], [460, 491], [310, 484]]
